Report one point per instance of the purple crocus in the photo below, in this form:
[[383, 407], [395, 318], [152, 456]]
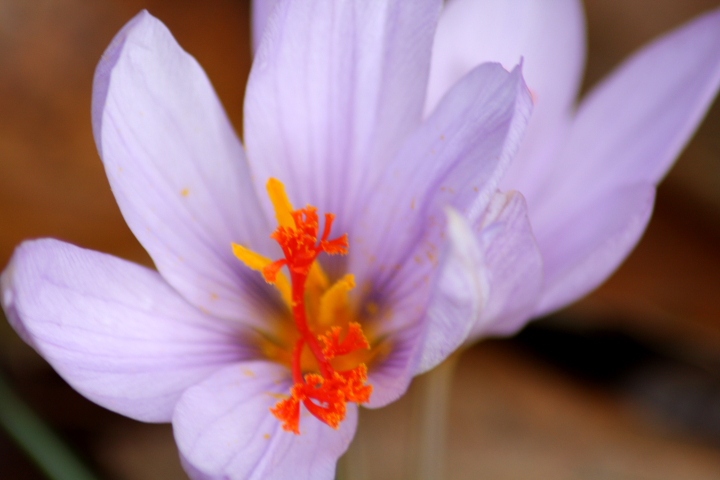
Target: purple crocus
[[255, 385], [345, 112]]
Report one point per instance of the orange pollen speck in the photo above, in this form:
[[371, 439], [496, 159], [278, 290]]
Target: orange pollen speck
[[325, 394]]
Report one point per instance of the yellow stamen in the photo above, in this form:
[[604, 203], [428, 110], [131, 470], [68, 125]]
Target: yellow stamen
[[281, 203], [335, 301], [258, 262], [317, 279]]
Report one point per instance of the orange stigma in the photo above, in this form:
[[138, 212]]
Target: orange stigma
[[324, 392]]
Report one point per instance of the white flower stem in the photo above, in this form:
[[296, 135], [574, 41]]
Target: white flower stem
[[419, 421], [430, 421], [354, 464]]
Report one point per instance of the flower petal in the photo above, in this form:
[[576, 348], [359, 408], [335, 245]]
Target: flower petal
[[628, 131], [335, 89], [512, 263], [261, 10], [422, 334], [456, 158], [391, 376], [114, 330], [548, 35], [635, 123], [224, 429], [489, 283], [400, 251], [458, 296], [176, 167], [593, 243]]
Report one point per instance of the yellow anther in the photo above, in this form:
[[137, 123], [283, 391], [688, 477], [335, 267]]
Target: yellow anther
[[258, 262], [317, 281], [281, 203], [335, 301]]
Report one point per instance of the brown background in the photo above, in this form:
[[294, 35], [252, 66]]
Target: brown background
[[512, 416]]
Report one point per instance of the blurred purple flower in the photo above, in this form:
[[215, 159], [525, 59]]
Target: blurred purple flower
[[334, 110]]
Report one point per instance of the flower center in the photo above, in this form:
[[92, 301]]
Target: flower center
[[326, 358]]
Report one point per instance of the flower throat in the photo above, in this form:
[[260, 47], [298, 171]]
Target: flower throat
[[324, 393]]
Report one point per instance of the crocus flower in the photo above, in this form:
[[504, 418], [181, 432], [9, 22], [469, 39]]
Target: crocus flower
[[381, 241], [340, 117]]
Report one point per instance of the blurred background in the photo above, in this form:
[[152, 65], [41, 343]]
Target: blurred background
[[625, 384]]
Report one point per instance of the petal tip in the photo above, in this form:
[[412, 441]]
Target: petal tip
[[141, 22]]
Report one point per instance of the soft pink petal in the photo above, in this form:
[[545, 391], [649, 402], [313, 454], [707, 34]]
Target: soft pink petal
[[114, 330], [548, 35], [261, 10], [628, 131], [224, 429], [512, 264], [594, 243], [335, 89], [176, 167]]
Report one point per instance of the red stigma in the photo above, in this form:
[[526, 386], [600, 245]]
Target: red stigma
[[324, 394]]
